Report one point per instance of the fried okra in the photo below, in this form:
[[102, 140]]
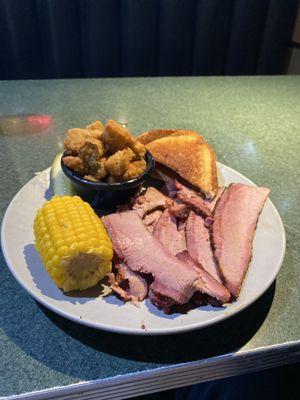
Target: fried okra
[[104, 153], [116, 137], [135, 169], [118, 163], [76, 164]]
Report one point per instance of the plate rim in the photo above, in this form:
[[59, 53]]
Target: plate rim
[[139, 331]]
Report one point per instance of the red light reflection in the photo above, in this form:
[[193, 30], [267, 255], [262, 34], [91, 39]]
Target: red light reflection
[[40, 119]]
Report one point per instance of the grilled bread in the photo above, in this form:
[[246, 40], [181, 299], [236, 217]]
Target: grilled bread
[[190, 157]]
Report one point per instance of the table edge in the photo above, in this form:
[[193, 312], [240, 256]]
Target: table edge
[[173, 376]]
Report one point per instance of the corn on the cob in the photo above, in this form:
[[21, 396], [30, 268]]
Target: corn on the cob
[[72, 243]]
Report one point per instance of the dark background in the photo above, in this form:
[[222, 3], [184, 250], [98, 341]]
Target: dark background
[[104, 38]]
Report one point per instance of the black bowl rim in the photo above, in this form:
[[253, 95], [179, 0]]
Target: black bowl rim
[[110, 186]]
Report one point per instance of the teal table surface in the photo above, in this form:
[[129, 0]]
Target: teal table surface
[[253, 123]]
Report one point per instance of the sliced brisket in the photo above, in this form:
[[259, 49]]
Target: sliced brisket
[[167, 233], [180, 210], [192, 199], [198, 244], [235, 220], [207, 283], [151, 200], [130, 286], [151, 219], [174, 281]]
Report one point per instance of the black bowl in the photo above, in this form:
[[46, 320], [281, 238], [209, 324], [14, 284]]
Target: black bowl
[[106, 196]]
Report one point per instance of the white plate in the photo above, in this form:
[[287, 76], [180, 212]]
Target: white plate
[[109, 313]]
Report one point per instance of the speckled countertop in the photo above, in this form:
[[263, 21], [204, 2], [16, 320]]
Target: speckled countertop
[[253, 124]]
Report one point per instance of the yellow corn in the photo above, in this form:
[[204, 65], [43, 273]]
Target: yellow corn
[[72, 243]]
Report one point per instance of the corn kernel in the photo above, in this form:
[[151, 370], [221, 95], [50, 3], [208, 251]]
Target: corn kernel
[[63, 251], [74, 249]]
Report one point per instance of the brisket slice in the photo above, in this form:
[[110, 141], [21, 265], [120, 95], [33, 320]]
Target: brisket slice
[[208, 284], [198, 244], [181, 225], [167, 233], [235, 220], [174, 282], [179, 210], [151, 200], [174, 184], [130, 286], [192, 199], [150, 219]]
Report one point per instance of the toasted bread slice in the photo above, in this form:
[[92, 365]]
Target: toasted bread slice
[[156, 134], [192, 160]]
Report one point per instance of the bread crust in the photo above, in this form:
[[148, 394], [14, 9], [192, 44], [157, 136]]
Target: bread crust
[[193, 160], [157, 134]]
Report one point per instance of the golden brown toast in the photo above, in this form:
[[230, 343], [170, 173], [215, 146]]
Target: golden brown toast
[[194, 161], [156, 134]]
